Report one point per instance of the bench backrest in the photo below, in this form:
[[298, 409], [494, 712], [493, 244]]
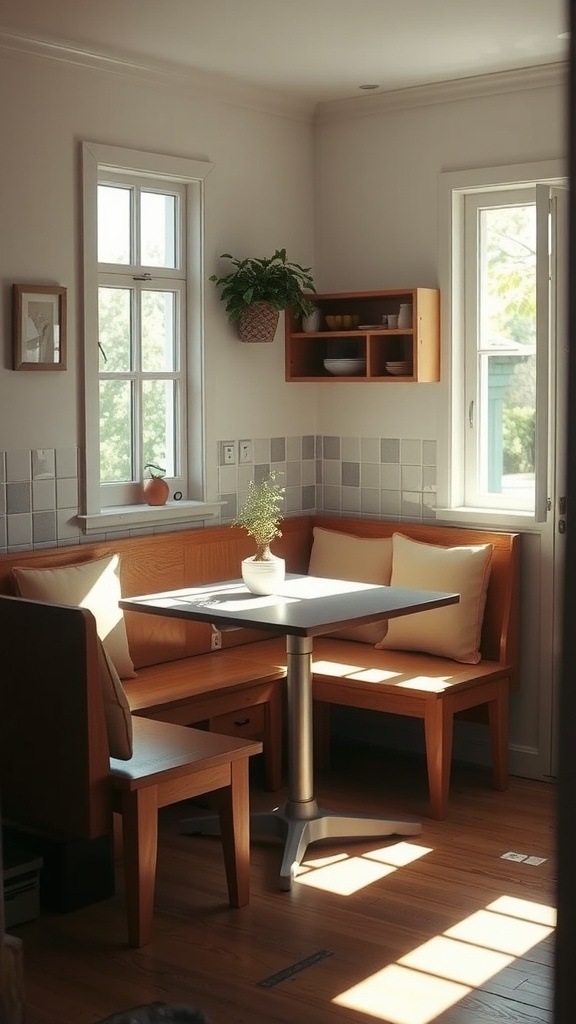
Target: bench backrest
[[166, 561], [54, 762]]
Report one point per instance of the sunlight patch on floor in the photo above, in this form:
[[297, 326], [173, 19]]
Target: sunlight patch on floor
[[344, 875], [399, 995], [436, 975], [500, 932]]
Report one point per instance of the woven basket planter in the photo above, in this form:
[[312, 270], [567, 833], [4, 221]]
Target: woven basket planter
[[258, 323]]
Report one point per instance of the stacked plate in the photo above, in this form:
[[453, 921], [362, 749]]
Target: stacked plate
[[399, 368]]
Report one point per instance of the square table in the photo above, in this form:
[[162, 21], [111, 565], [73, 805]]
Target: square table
[[303, 607]]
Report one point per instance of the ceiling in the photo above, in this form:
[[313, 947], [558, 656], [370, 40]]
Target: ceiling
[[311, 50]]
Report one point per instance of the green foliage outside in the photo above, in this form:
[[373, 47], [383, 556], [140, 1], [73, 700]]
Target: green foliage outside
[[519, 440], [116, 396], [510, 309]]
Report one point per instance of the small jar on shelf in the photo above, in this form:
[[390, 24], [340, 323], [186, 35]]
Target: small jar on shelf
[[405, 316]]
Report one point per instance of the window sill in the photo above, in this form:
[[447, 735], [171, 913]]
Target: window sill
[[488, 517], [135, 516]]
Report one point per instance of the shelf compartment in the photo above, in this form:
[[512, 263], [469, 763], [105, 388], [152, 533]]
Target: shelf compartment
[[308, 352]]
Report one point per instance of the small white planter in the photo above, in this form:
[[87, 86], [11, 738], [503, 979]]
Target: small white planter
[[405, 315], [312, 322], [263, 576]]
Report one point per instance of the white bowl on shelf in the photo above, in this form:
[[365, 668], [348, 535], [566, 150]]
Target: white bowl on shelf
[[345, 367]]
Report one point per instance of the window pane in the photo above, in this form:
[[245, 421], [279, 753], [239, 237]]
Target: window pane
[[115, 431], [158, 331], [507, 347], [158, 230], [159, 424], [114, 224], [114, 329]]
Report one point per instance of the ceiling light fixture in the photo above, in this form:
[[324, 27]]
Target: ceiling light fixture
[[563, 35]]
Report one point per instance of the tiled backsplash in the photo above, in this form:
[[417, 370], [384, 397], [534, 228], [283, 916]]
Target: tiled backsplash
[[38, 498], [366, 476], [376, 477]]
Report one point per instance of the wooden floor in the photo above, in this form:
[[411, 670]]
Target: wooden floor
[[437, 927]]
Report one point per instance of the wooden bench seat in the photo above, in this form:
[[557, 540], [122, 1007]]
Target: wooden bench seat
[[234, 695], [406, 683], [56, 776]]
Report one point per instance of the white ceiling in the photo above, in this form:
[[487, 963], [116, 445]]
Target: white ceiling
[[312, 50]]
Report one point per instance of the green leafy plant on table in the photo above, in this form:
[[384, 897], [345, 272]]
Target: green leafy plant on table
[[261, 514]]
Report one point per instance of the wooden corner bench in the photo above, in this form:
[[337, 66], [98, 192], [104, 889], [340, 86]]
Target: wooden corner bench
[[57, 777], [239, 690]]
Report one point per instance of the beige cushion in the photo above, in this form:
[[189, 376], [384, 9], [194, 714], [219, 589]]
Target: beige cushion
[[94, 585], [116, 708], [453, 631], [345, 557]]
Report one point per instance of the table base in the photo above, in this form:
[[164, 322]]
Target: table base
[[299, 831]]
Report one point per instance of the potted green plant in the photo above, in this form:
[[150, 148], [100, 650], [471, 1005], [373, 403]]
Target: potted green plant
[[257, 290], [260, 516]]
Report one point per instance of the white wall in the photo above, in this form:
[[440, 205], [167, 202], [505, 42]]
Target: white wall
[[259, 197]]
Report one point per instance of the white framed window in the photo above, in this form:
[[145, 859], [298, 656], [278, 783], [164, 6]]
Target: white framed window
[[497, 331], [143, 313], [499, 283]]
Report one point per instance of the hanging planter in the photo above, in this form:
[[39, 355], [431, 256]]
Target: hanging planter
[[258, 322], [257, 290]]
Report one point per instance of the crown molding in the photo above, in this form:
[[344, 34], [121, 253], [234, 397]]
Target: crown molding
[[220, 89], [204, 85], [539, 77]]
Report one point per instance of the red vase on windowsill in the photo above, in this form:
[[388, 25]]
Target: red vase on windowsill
[[155, 489]]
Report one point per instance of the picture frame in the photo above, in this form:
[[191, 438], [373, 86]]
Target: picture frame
[[39, 327]]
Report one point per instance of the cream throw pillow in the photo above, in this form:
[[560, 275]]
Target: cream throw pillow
[[116, 708], [345, 557], [450, 632], [94, 585]]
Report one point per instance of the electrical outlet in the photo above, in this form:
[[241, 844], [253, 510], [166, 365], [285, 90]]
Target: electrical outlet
[[216, 641], [227, 453], [245, 451]]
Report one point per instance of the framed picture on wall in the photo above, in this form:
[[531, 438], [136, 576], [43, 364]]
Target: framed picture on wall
[[39, 327]]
